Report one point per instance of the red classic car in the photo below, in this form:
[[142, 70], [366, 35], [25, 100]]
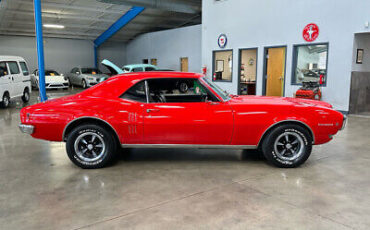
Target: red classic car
[[149, 110]]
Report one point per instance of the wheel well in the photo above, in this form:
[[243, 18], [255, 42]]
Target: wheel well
[[6, 93], [301, 124], [89, 120], [26, 88]]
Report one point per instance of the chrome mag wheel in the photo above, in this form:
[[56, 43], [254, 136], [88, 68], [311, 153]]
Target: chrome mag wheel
[[89, 146], [289, 146]]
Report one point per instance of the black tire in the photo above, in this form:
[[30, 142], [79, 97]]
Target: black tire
[[291, 152], [183, 87], [107, 154], [69, 82], [84, 85], [6, 101], [26, 95]]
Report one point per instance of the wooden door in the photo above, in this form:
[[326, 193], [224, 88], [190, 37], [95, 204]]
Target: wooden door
[[275, 71], [184, 63]]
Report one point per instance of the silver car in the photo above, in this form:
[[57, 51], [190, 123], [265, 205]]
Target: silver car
[[85, 76]]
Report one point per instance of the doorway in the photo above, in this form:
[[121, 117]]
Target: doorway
[[247, 71], [274, 71], [184, 64]]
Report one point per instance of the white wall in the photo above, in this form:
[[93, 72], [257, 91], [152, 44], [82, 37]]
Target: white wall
[[114, 52], [362, 41], [60, 54], [250, 23], [168, 47]]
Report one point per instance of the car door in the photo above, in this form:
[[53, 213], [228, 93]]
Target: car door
[[192, 117], [16, 77], [5, 79]]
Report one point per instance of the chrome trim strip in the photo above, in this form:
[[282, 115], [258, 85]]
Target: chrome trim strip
[[188, 146], [79, 118], [313, 136], [344, 122], [28, 129]]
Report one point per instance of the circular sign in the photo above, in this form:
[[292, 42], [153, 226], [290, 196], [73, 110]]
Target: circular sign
[[310, 32], [222, 41]]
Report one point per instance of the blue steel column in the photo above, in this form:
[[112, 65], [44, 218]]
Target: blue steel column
[[115, 27], [40, 50]]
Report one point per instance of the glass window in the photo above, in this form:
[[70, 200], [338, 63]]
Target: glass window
[[90, 71], [222, 93], [137, 69], [222, 65], [3, 69], [74, 70], [310, 63], [24, 68], [51, 73], [13, 67], [136, 93], [177, 90], [149, 69]]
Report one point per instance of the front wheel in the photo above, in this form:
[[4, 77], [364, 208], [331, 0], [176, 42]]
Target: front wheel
[[287, 146], [6, 101], [91, 146]]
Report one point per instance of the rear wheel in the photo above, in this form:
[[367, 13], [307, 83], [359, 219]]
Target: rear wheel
[[6, 101], [91, 146], [26, 95], [287, 146]]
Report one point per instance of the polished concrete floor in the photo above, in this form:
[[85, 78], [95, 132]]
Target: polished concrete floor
[[183, 189]]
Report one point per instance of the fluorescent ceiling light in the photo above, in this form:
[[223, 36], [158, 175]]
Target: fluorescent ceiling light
[[54, 26]]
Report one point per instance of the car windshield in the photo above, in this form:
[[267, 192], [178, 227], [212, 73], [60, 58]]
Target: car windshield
[[51, 73], [222, 93], [90, 71]]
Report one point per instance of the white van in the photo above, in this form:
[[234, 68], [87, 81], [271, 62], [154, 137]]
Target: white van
[[15, 80]]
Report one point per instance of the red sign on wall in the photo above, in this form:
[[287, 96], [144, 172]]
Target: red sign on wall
[[310, 32]]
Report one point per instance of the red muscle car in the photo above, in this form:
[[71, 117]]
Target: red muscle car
[[149, 110]]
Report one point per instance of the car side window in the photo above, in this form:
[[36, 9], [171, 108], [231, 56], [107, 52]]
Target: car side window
[[136, 93], [13, 67], [3, 69], [149, 69], [137, 69], [74, 70], [24, 68], [178, 90]]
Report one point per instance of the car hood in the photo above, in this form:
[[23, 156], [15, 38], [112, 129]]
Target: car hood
[[95, 75], [52, 79], [277, 101], [112, 67]]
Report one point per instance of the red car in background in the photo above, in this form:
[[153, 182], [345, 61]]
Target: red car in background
[[149, 110]]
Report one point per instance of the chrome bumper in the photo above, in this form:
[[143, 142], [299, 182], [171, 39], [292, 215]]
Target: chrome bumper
[[344, 122], [26, 128]]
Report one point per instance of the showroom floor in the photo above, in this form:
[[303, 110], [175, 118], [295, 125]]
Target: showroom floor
[[183, 189]]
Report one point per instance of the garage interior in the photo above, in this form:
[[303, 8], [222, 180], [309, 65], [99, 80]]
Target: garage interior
[[172, 188]]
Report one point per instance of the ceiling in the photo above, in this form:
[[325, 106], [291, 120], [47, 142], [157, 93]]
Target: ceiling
[[87, 19]]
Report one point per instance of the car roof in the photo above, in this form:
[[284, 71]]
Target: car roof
[[138, 65], [114, 86], [159, 74], [11, 58]]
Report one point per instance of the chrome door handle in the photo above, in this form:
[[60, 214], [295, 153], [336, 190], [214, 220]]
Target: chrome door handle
[[152, 110]]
